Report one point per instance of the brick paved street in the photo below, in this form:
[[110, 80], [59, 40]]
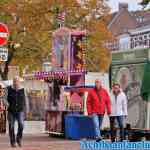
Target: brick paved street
[[40, 142]]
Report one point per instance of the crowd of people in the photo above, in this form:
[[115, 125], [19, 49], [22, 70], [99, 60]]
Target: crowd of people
[[98, 101]]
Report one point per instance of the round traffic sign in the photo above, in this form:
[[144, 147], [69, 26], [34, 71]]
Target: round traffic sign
[[4, 34]]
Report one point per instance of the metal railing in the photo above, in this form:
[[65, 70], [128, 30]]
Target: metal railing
[[115, 45]]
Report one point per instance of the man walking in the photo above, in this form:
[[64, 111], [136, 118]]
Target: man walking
[[119, 111], [16, 108], [97, 101]]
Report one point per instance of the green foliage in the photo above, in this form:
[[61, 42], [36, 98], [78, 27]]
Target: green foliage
[[144, 2], [4, 2]]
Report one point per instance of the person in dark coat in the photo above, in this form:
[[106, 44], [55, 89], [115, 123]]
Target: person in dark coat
[[16, 109]]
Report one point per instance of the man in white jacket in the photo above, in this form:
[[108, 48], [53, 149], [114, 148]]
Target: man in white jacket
[[119, 111]]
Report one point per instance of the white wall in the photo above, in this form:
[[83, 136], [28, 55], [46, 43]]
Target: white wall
[[90, 78], [124, 42]]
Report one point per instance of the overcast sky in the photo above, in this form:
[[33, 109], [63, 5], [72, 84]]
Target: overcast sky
[[133, 4]]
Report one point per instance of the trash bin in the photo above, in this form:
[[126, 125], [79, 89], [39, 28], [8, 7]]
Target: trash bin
[[80, 126]]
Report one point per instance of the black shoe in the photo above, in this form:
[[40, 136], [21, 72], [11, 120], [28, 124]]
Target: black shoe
[[121, 140], [19, 143], [13, 145], [113, 140], [98, 139]]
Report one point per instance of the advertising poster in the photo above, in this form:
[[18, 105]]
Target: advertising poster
[[60, 49], [130, 78]]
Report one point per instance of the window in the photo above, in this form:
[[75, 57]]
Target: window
[[140, 19], [145, 36], [140, 38]]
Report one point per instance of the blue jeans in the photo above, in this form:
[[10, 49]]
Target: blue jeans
[[12, 117], [99, 123], [112, 127]]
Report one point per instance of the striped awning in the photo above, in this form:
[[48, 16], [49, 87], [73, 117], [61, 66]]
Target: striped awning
[[44, 75]]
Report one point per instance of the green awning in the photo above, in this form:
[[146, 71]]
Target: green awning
[[145, 88]]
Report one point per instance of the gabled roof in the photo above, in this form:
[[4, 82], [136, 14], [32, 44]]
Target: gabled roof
[[139, 19], [122, 22]]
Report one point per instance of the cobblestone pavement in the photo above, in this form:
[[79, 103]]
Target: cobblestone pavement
[[40, 142]]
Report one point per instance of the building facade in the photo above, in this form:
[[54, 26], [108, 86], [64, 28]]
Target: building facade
[[130, 29]]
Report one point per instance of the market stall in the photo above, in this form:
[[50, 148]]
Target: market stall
[[68, 66], [68, 69]]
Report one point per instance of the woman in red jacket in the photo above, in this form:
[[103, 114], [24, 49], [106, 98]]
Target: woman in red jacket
[[98, 101]]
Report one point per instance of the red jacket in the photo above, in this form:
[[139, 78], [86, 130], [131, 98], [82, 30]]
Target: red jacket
[[94, 105]]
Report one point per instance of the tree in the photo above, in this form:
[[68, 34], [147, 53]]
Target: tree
[[31, 23], [144, 3], [97, 53], [25, 30]]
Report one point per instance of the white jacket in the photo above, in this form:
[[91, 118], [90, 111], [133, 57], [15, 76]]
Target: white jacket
[[119, 105]]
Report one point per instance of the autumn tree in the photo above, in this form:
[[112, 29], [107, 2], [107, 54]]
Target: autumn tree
[[144, 3], [31, 23], [25, 30]]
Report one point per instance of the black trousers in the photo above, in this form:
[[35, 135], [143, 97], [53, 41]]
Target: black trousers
[[112, 125]]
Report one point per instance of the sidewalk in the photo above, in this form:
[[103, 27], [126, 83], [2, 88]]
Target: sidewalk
[[40, 142]]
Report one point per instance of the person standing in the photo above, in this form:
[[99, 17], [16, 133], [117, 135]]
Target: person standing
[[119, 111], [2, 99], [16, 111], [3, 104], [98, 101]]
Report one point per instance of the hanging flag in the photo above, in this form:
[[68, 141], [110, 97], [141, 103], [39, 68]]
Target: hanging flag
[[61, 17]]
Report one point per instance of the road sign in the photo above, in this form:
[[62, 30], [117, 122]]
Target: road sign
[[4, 34], [3, 54]]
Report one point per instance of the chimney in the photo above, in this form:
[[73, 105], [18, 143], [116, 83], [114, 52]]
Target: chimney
[[123, 6]]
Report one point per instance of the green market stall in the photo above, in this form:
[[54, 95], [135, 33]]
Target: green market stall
[[128, 69]]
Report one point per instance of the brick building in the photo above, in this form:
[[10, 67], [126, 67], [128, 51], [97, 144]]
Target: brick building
[[131, 29]]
